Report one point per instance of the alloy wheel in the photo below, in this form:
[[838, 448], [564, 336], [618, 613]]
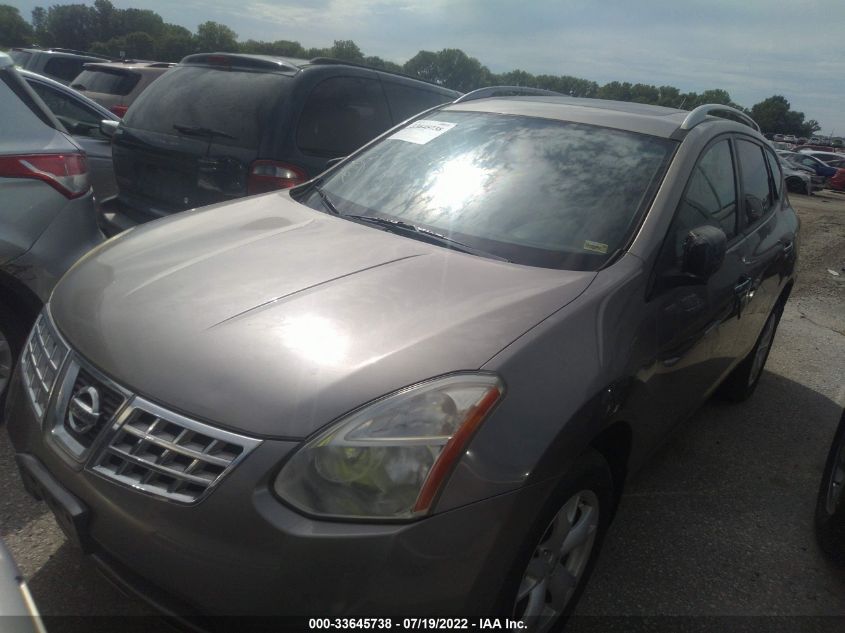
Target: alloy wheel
[[558, 562]]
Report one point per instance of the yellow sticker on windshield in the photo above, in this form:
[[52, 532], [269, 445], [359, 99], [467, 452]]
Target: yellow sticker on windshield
[[596, 247]]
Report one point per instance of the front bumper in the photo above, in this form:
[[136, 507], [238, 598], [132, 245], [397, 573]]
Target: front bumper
[[242, 552]]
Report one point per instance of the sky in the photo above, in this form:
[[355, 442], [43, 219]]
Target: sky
[[751, 48]]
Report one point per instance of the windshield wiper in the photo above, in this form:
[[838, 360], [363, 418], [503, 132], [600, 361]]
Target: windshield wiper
[[423, 234], [201, 131], [326, 201]]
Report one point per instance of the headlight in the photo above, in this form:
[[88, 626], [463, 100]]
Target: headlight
[[389, 459]]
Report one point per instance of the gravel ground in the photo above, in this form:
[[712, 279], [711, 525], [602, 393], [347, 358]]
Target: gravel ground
[[718, 524]]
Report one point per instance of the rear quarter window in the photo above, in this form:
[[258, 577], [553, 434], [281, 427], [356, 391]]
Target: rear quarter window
[[340, 115], [237, 104], [106, 81], [406, 101], [65, 68]]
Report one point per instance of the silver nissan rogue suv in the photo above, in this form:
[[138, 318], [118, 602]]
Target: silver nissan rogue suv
[[416, 384]]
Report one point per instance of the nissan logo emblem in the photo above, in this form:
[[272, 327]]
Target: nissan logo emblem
[[84, 410]]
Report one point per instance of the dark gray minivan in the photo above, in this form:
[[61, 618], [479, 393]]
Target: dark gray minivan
[[221, 126]]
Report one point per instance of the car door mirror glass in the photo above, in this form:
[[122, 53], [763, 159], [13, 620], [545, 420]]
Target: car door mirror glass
[[108, 127], [704, 251]]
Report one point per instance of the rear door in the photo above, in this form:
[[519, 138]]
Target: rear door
[[190, 137], [766, 245]]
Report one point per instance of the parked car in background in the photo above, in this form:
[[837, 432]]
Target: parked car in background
[[418, 382], [47, 216], [790, 138], [821, 169], [116, 85], [61, 64], [18, 613], [830, 503], [825, 157], [837, 181], [798, 179], [82, 118], [221, 126]]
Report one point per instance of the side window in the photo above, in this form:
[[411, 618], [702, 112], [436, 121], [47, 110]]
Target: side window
[[340, 115], [406, 101], [709, 199], [79, 120], [777, 175], [65, 68], [758, 198]]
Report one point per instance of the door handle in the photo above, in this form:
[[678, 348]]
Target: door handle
[[743, 285], [741, 292], [788, 247]]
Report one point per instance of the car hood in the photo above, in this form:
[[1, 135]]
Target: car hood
[[268, 317]]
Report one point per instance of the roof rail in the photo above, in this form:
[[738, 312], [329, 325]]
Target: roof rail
[[506, 91], [76, 52], [699, 115]]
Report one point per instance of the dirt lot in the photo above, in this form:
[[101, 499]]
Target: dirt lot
[[822, 254]]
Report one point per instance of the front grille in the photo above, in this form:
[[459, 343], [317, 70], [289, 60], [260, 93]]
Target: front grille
[[167, 455], [41, 359], [110, 402]]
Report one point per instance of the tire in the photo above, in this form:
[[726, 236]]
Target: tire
[[582, 505], [830, 504], [742, 381], [12, 336]]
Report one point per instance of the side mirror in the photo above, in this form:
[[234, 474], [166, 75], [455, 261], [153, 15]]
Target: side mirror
[[704, 251], [334, 161], [108, 127]]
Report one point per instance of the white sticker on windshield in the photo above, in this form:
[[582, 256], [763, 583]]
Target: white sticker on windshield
[[421, 132]]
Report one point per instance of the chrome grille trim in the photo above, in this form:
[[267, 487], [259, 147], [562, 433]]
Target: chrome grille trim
[[41, 359], [76, 447], [164, 454]]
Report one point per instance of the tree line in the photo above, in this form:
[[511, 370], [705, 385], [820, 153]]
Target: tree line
[[143, 34]]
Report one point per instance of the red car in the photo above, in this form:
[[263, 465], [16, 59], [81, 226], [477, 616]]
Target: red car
[[837, 181]]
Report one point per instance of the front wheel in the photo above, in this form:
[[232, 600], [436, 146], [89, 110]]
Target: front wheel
[[562, 546], [830, 504]]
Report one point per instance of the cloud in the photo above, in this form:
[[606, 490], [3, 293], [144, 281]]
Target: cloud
[[752, 48]]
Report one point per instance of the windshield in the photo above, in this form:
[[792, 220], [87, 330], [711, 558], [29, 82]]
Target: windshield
[[236, 105], [534, 191]]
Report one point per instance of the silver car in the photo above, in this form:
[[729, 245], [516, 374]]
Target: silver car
[[47, 217], [417, 384], [82, 118]]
